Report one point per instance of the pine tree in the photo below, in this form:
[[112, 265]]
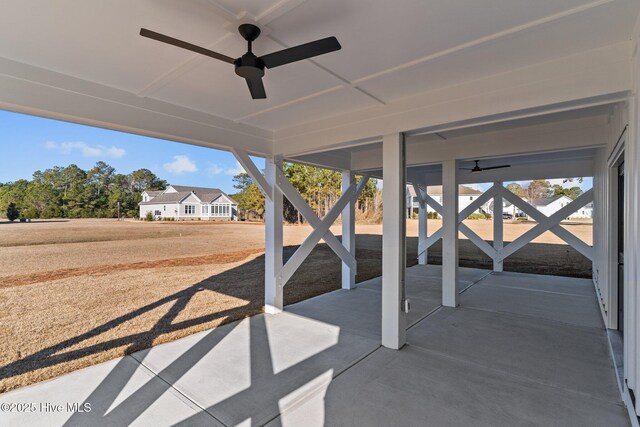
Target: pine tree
[[12, 212]]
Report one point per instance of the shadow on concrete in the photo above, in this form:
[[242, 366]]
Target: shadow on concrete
[[319, 273], [561, 260]]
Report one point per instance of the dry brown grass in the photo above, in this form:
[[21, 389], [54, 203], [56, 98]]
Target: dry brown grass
[[98, 270], [77, 293]]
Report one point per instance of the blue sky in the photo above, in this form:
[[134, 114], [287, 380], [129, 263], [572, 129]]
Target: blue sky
[[33, 143]]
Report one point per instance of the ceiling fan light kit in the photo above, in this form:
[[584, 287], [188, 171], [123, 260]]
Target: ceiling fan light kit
[[249, 66]]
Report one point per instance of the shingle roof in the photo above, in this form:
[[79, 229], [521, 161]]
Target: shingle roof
[[544, 201], [168, 198], [207, 195], [154, 193]]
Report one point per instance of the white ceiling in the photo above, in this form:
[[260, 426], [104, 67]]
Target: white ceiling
[[391, 49], [513, 142]]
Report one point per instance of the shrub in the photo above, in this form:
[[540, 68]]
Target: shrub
[[432, 215], [149, 216], [477, 216], [12, 212]]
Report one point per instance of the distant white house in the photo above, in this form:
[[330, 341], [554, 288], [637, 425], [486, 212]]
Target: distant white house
[[187, 203], [551, 205], [546, 205], [466, 196]]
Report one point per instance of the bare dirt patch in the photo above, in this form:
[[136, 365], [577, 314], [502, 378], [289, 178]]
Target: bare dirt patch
[[28, 279]]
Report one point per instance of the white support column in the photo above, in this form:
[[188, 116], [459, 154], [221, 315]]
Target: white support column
[[422, 232], [349, 231], [498, 227], [450, 233], [273, 289], [393, 241]]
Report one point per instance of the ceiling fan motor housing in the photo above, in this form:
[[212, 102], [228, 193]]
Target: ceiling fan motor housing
[[249, 66]]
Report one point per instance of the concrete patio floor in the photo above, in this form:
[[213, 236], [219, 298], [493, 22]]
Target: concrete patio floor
[[520, 350]]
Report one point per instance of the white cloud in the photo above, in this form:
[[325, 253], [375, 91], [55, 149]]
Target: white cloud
[[85, 149], [215, 169], [180, 165], [115, 152], [235, 171]]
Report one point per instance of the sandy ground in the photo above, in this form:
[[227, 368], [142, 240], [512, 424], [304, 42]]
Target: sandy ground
[[37, 247], [76, 293]]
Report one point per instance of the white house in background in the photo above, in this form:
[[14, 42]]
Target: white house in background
[[466, 196], [547, 205], [550, 205], [188, 203]]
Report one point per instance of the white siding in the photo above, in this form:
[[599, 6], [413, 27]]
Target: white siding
[[191, 201], [632, 229], [166, 210]]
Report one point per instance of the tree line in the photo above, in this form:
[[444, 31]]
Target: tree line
[[71, 192], [321, 188], [541, 189]]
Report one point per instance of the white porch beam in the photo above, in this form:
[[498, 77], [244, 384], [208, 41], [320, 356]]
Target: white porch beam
[[450, 233], [273, 285], [547, 223], [473, 237], [248, 165], [498, 228], [39, 92], [538, 216], [301, 205], [429, 241], [422, 225], [435, 205], [319, 231], [349, 232], [477, 203], [394, 322], [477, 240]]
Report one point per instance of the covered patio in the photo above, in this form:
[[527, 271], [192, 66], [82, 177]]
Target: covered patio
[[520, 349], [419, 91]]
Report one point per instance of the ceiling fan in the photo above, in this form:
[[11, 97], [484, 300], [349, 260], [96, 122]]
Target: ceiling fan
[[249, 66], [477, 168]]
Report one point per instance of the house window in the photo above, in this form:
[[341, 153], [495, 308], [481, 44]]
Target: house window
[[205, 209], [470, 197], [164, 208], [220, 210], [189, 209], [158, 213]]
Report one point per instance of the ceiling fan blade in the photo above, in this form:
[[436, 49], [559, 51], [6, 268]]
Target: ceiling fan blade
[[256, 88], [184, 45], [303, 51], [496, 167]]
